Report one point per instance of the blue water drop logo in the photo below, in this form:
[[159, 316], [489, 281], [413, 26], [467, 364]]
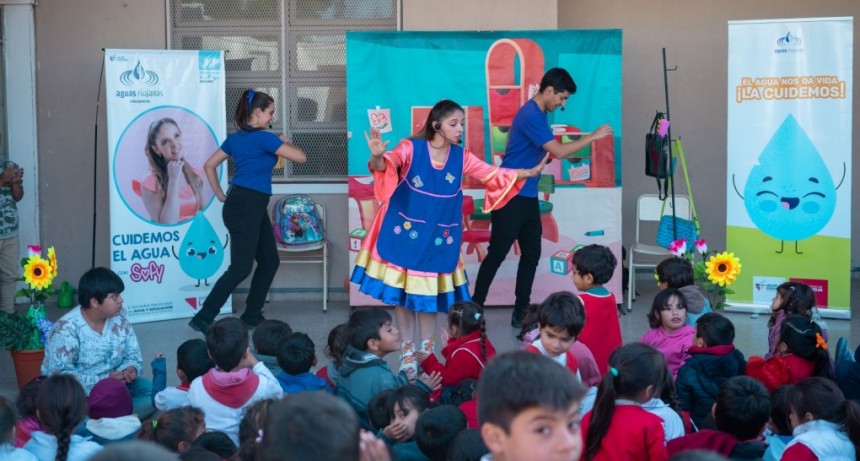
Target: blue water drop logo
[[201, 252]]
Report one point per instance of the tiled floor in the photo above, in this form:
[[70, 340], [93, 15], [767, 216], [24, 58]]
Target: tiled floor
[[307, 316]]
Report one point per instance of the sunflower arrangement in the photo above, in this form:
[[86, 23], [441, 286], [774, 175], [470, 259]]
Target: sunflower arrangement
[[39, 274], [713, 271]]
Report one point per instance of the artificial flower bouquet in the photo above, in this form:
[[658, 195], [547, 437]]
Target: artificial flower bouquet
[[713, 272], [28, 332]]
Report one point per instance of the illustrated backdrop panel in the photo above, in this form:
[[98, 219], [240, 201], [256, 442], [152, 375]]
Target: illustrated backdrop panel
[[788, 213], [393, 78], [168, 266]]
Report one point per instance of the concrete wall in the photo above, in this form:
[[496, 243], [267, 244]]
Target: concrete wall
[[479, 14], [695, 35]]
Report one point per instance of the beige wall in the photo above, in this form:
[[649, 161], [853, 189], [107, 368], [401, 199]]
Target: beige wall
[[695, 35], [70, 36]]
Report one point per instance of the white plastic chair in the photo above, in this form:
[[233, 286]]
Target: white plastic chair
[[310, 253], [648, 209]]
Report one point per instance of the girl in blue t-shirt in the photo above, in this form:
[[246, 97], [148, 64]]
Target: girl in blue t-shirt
[[255, 153]]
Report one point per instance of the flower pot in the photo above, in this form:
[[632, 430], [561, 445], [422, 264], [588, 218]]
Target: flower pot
[[28, 365]]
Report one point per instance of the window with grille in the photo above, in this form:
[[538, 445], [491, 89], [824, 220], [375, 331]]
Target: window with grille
[[295, 50]]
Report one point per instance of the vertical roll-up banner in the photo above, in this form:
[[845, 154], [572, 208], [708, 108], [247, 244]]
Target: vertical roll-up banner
[[788, 204], [165, 116]]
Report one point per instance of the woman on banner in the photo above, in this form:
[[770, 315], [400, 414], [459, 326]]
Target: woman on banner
[[172, 190], [255, 153], [411, 256]]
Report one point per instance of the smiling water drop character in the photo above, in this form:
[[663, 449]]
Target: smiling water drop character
[[201, 253], [790, 194]]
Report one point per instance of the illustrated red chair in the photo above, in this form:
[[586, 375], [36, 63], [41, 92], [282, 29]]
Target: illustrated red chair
[[472, 237], [365, 199]]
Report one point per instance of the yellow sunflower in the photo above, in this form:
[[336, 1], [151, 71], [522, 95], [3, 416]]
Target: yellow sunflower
[[52, 259], [723, 268], [37, 273]]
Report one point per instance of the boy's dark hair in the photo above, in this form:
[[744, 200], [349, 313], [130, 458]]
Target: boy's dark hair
[[409, 395], [803, 338], [436, 429], [8, 420], [227, 341], [563, 310], [173, 427], [296, 355], [468, 445], [378, 409], [269, 335], [199, 454], [596, 260], [133, 450], [193, 359], [26, 400], [715, 330], [661, 301], [559, 79], [675, 272], [314, 426], [217, 442], [514, 382], [98, 283], [823, 399], [364, 325], [742, 407], [780, 409], [338, 340]]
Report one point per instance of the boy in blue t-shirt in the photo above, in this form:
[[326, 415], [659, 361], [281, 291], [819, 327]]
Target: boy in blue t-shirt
[[529, 141]]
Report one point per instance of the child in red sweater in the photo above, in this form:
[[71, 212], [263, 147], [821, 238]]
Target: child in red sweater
[[593, 266], [466, 351], [801, 353], [618, 427]]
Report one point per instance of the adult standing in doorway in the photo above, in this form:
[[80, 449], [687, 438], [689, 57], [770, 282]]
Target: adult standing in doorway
[[11, 192], [529, 140], [255, 153]]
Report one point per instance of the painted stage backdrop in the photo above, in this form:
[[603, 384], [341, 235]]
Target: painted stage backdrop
[[394, 78], [165, 114], [788, 210]]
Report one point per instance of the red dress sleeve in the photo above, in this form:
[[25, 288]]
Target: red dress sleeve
[[501, 183], [798, 452], [397, 163]]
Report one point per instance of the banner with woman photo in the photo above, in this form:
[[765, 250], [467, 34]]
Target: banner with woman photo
[[165, 116], [788, 204]]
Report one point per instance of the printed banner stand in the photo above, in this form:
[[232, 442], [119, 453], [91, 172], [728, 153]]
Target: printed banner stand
[[165, 115], [788, 213]]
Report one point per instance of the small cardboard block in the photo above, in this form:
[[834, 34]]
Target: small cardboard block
[[355, 239], [560, 262]]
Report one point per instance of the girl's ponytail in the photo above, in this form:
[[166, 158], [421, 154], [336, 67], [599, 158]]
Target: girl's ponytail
[[249, 101], [62, 407], [601, 414], [803, 338]]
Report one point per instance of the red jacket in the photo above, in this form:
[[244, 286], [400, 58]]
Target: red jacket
[[633, 434], [779, 369], [572, 364], [463, 359]]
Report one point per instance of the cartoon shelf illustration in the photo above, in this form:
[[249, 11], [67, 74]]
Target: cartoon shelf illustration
[[593, 166]]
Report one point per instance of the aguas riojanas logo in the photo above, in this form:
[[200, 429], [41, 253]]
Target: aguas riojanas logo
[[788, 43], [138, 76]]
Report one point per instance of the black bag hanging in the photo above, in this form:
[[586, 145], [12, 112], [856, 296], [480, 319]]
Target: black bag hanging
[[657, 160]]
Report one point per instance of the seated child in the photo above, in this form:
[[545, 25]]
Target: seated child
[[26, 405], [267, 339], [741, 413], [669, 332], [561, 318], [847, 371], [296, 357], [518, 394], [792, 298], [252, 423], [175, 429], [378, 411], [238, 380], [62, 407], [192, 361], [405, 406], [436, 429], [467, 348], [334, 349], [363, 372], [824, 424], [314, 426], [676, 422], [8, 420], [467, 446], [800, 354], [217, 442], [110, 414], [619, 427], [713, 359], [778, 432], [677, 273], [593, 266]]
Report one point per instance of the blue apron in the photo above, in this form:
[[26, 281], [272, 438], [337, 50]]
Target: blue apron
[[422, 228]]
